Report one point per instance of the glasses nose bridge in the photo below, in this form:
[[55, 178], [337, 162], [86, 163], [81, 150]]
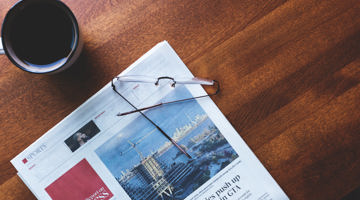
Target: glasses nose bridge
[[166, 77]]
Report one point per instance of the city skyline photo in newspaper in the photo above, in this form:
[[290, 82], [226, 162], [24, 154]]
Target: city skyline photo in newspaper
[[148, 166]]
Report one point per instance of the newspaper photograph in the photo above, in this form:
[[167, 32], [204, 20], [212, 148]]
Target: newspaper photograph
[[81, 136], [148, 166]]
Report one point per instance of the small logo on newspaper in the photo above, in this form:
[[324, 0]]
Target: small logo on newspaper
[[99, 194], [34, 154]]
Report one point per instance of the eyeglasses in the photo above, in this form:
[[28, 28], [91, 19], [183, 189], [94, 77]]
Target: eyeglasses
[[173, 83]]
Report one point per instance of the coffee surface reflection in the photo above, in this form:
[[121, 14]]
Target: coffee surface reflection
[[42, 34]]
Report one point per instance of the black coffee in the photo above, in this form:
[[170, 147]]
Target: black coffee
[[42, 34]]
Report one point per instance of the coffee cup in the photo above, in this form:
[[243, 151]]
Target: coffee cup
[[41, 36]]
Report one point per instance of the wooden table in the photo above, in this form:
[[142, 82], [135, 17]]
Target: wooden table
[[290, 74]]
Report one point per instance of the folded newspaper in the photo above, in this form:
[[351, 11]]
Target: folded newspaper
[[94, 154]]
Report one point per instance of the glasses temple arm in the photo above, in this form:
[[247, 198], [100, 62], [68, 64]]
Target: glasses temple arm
[[156, 126], [176, 101]]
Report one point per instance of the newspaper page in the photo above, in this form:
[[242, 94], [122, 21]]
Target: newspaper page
[[95, 154]]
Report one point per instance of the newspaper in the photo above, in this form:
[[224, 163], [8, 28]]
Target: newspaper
[[95, 154]]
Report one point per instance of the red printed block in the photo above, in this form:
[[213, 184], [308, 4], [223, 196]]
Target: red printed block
[[79, 183]]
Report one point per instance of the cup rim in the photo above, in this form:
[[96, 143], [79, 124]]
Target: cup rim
[[13, 11]]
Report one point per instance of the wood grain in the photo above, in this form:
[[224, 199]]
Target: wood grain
[[289, 70]]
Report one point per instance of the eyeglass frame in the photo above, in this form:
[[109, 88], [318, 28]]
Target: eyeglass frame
[[173, 84]]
